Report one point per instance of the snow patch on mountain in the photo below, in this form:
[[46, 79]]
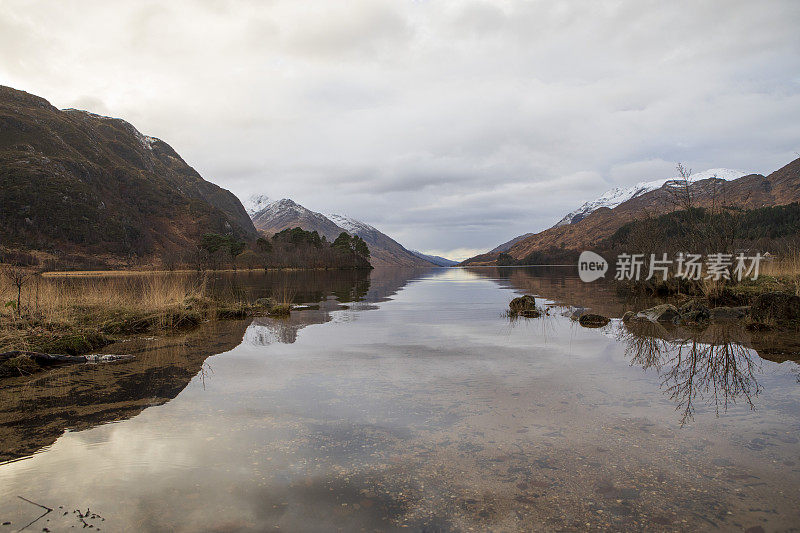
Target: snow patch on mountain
[[285, 204], [255, 203], [618, 195], [273, 217], [351, 225]]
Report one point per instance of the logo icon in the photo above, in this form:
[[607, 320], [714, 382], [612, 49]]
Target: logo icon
[[591, 266]]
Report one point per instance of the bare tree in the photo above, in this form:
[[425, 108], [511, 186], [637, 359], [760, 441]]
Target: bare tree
[[713, 364], [18, 276], [681, 189]]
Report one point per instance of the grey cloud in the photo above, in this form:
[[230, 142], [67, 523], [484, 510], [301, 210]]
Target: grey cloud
[[449, 125]]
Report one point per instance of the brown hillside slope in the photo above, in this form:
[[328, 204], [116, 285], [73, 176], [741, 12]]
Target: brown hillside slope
[[779, 188], [72, 182]]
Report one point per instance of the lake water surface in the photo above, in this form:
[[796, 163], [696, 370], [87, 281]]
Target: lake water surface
[[409, 401]]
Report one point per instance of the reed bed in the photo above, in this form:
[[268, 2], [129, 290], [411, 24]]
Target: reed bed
[[74, 315], [59, 299], [785, 265]]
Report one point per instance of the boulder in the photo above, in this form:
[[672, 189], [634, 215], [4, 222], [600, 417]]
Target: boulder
[[726, 314], [591, 320], [659, 313], [530, 313], [694, 312], [776, 307], [523, 303], [628, 316]]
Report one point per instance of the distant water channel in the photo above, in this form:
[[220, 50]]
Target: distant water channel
[[408, 401]]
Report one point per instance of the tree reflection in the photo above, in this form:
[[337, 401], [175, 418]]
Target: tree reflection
[[715, 364]]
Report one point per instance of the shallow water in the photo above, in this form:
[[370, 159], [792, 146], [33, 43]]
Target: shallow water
[[416, 404]]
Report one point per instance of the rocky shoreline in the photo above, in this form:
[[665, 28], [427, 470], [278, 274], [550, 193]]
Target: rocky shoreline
[[768, 311]]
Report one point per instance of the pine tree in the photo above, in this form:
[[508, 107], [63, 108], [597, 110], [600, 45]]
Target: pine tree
[[343, 242], [360, 247]]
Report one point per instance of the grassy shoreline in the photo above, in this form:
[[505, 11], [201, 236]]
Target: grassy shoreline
[[76, 315], [145, 272], [722, 292]]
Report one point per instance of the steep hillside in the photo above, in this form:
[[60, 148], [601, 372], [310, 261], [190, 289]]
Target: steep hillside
[[72, 182], [506, 246], [779, 188], [384, 250]]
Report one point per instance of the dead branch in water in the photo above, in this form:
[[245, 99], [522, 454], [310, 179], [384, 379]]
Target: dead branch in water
[[46, 512], [49, 359]]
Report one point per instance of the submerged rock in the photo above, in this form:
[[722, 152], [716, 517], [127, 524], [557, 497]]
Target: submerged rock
[[590, 320], [18, 363], [575, 313], [659, 313]]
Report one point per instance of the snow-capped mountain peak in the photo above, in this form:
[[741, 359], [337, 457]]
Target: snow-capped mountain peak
[[286, 203], [255, 203], [618, 195], [272, 217]]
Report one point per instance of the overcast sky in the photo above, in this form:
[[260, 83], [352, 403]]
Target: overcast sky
[[450, 125]]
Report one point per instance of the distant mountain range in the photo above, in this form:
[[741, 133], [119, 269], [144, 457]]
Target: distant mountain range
[[600, 218], [276, 216], [435, 259], [77, 184], [616, 196], [506, 246]]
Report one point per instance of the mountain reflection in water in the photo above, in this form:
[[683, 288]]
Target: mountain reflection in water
[[407, 401], [35, 411]]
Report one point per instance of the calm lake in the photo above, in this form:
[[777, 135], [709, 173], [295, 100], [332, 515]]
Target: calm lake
[[407, 400]]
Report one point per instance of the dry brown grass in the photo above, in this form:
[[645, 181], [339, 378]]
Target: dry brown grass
[[786, 267], [60, 298], [285, 295], [68, 314]]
